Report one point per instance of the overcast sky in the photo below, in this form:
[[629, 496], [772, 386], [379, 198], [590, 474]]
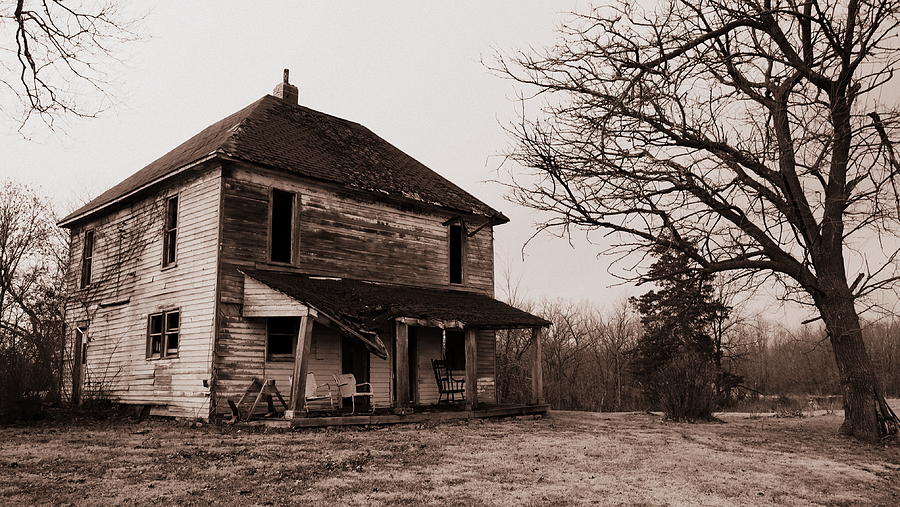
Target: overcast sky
[[410, 71]]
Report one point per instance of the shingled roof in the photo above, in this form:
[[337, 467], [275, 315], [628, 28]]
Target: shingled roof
[[309, 143], [365, 304]]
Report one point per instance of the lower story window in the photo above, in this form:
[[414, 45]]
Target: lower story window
[[162, 334], [281, 338]]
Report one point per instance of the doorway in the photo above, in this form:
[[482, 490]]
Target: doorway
[[355, 360], [413, 356]]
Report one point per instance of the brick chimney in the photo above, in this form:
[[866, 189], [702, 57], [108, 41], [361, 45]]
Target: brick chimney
[[286, 91]]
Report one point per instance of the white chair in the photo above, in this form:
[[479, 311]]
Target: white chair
[[312, 392], [348, 388]]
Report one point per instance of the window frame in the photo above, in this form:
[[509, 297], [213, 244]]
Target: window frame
[[462, 253], [164, 334], [170, 232], [292, 240], [274, 358], [87, 258]]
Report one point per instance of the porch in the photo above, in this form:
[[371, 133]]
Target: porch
[[433, 414], [398, 343]]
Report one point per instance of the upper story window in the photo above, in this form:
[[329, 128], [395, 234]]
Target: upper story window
[[170, 231], [163, 330], [457, 243], [281, 229], [87, 258]]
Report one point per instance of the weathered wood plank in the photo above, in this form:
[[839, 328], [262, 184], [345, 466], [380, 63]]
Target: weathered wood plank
[[537, 373], [471, 369], [401, 365], [301, 363]]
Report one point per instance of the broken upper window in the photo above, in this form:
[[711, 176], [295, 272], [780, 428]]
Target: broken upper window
[[163, 332], [281, 239], [282, 338], [170, 231], [457, 239], [87, 258]]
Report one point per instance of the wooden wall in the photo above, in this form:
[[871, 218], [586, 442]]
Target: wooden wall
[[428, 347], [129, 283], [344, 235], [340, 234], [324, 361]]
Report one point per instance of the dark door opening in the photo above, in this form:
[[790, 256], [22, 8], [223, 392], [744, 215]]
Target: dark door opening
[[413, 364], [355, 360]]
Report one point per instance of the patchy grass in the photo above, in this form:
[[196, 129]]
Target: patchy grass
[[566, 458]]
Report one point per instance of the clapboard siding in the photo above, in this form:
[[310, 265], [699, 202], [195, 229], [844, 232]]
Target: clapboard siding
[[128, 274], [344, 235], [429, 345]]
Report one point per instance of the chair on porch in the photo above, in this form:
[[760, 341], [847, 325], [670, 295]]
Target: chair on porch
[[348, 388], [312, 392], [448, 386]]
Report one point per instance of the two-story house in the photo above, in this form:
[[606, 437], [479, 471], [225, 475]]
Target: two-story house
[[277, 242]]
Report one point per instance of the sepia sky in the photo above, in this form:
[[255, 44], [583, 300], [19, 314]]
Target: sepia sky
[[409, 71]]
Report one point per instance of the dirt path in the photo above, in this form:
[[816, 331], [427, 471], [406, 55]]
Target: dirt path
[[566, 458]]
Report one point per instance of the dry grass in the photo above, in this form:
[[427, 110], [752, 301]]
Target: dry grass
[[567, 458]]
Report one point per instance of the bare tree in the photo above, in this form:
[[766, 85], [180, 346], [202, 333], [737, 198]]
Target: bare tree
[[53, 56], [31, 297], [749, 134]]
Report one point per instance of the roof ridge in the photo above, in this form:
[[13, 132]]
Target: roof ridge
[[308, 143]]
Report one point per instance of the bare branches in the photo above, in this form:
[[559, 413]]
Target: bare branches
[[53, 55], [739, 127]]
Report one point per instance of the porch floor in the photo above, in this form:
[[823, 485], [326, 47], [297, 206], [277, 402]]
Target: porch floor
[[432, 413]]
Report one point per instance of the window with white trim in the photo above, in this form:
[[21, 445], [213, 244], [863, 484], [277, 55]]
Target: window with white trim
[[87, 258], [163, 332], [170, 231]]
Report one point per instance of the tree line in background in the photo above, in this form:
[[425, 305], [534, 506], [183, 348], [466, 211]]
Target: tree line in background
[[32, 301], [587, 358]]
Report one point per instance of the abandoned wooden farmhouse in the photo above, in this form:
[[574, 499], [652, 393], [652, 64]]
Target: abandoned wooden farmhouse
[[285, 249]]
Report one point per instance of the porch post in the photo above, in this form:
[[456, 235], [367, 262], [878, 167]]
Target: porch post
[[401, 360], [537, 373], [301, 365], [471, 370]]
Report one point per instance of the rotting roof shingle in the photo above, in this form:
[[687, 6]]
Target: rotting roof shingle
[[367, 303], [308, 143]]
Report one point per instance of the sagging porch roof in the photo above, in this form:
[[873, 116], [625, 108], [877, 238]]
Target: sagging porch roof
[[366, 306]]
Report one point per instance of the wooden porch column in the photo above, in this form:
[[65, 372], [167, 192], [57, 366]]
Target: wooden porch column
[[301, 366], [471, 370], [401, 367], [537, 372]]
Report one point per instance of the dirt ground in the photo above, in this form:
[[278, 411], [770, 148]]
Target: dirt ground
[[565, 458]]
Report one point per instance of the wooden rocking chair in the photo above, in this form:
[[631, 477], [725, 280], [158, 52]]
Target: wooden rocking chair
[[448, 386]]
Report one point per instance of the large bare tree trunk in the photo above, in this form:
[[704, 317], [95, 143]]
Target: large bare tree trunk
[[867, 415]]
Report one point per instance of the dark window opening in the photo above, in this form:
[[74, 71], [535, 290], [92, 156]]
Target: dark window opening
[[457, 235], [163, 332], [282, 338], [455, 349], [282, 237], [170, 234], [87, 258]]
